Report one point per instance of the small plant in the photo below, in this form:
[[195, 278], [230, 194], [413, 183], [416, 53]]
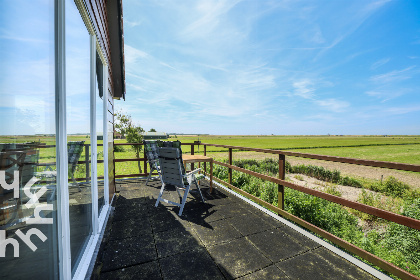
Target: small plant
[[299, 177], [118, 149], [395, 188], [332, 189]]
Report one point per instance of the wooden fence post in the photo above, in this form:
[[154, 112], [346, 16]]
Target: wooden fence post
[[230, 169], [192, 152], [282, 171], [145, 161], [87, 162], [205, 154]]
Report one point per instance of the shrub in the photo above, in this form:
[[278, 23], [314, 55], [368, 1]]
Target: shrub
[[331, 189], [118, 149], [395, 188], [352, 182], [406, 240]]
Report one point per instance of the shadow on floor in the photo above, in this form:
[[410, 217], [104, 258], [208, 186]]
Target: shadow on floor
[[224, 238]]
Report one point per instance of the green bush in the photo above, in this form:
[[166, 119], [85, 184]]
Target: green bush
[[406, 240], [118, 149], [395, 188]]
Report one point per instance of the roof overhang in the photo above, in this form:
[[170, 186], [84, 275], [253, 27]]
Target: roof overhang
[[116, 40]]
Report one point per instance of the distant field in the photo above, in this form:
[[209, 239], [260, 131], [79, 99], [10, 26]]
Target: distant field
[[404, 149]]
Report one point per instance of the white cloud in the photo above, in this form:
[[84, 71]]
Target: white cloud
[[132, 54], [129, 23], [333, 105], [403, 110], [210, 13], [379, 63], [304, 88], [393, 76]]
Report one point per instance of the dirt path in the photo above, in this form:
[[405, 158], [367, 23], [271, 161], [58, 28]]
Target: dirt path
[[411, 178]]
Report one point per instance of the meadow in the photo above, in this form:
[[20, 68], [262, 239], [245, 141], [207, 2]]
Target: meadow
[[401, 148], [404, 149]]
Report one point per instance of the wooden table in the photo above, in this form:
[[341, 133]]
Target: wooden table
[[199, 158]]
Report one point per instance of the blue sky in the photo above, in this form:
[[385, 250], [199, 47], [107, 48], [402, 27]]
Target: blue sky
[[273, 67]]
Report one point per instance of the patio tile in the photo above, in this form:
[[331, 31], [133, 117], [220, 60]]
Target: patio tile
[[129, 228], [175, 241], [196, 264], [238, 257], [305, 241], [149, 271], [344, 265], [127, 252], [201, 214], [276, 245], [216, 232], [249, 224], [269, 273], [163, 219], [311, 266], [231, 210]]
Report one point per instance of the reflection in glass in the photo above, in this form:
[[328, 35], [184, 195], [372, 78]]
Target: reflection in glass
[[78, 129], [100, 130], [27, 135]]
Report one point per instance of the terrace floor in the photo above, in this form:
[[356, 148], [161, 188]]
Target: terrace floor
[[225, 238]]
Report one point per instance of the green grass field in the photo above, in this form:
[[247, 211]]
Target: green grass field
[[404, 149]]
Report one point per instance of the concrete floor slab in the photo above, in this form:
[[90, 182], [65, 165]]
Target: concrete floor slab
[[276, 245], [216, 232], [269, 273], [127, 252], [149, 271], [196, 264], [238, 257]]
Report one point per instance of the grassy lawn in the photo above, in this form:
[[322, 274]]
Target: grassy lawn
[[365, 147]]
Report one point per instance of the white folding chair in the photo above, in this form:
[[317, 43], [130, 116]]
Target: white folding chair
[[173, 173]]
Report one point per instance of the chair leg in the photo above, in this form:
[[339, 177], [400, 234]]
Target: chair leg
[[184, 199], [160, 195], [150, 175], [74, 181], [199, 190]]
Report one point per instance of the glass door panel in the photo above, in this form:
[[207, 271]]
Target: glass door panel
[[78, 131]]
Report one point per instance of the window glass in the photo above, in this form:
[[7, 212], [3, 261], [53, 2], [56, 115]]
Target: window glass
[[27, 138], [100, 131], [78, 131]]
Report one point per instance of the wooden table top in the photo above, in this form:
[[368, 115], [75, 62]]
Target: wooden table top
[[196, 158]]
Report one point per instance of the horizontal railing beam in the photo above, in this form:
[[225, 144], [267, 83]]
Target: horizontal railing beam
[[400, 219], [373, 163]]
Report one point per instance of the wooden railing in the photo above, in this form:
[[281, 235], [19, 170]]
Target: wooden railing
[[280, 181], [85, 162], [403, 220]]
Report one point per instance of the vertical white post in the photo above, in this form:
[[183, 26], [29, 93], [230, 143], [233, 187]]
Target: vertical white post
[[105, 132], [63, 220], [93, 141]]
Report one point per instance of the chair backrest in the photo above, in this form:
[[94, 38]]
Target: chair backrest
[[151, 150], [11, 161], [74, 150], [170, 144], [170, 160], [31, 158]]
